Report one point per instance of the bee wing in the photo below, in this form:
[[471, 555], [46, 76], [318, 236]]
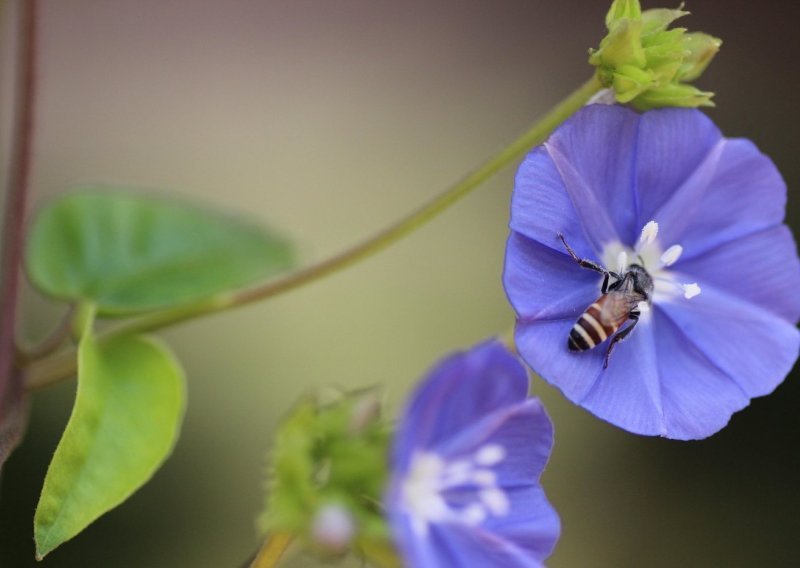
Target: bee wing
[[614, 309]]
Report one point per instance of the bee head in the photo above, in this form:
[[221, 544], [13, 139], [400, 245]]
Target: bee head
[[642, 281]]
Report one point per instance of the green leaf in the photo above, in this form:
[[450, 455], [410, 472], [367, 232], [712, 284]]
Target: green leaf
[[129, 253], [126, 418]]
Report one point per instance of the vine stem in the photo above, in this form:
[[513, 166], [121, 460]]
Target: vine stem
[[16, 194], [272, 551], [54, 368], [52, 342]]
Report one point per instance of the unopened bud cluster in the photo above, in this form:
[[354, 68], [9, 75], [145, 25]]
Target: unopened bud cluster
[[648, 65], [328, 471]]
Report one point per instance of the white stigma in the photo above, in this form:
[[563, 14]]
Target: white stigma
[[643, 307], [496, 501], [671, 255], [424, 491], [474, 514], [649, 234], [490, 454], [690, 290]]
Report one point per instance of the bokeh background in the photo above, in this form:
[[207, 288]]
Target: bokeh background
[[328, 120]]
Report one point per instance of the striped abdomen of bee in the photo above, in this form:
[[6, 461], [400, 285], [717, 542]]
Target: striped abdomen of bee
[[600, 321]]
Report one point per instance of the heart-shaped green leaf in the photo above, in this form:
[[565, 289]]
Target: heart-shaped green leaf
[[129, 253], [126, 418]]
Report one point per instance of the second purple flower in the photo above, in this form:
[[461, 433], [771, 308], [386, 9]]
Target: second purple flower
[[466, 464]]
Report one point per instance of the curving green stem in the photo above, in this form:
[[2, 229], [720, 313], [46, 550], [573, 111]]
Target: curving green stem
[[56, 367]]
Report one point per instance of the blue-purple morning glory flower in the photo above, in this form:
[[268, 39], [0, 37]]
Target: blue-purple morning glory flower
[[704, 216], [467, 459]]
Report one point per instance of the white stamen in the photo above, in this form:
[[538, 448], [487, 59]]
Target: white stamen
[[671, 255], [432, 481], [649, 234], [622, 261], [490, 454], [484, 477], [474, 514], [643, 307], [690, 290], [421, 491], [496, 501], [457, 472]]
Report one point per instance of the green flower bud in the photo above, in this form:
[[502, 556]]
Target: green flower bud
[[623, 10], [659, 19], [328, 470], [702, 48], [648, 65], [630, 81], [673, 95], [333, 529], [622, 46]]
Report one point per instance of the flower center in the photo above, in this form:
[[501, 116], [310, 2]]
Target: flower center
[[649, 254], [462, 491]]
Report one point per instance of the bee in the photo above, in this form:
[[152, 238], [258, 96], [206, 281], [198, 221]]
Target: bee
[[619, 302]]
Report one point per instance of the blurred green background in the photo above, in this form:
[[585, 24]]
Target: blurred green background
[[327, 120]]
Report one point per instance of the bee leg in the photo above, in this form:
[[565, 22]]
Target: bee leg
[[634, 317], [604, 287], [588, 263]]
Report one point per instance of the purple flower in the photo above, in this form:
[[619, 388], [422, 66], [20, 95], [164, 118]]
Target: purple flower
[[703, 215], [466, 465]]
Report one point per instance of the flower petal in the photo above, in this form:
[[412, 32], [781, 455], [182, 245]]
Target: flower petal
[[761, 268], [532, 278], [626, 394], [543, 346], [460, 391], [523, 430], [464, 546], [532, 524], [418, 551], [746, 195], [595, 153], [541, 207], [675, 160], [754, 347], [697, 396]]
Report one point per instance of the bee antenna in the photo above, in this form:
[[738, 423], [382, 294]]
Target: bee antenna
[[641, 260]]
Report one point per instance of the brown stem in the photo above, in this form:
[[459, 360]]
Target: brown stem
[[272, 551], [16, 192]]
